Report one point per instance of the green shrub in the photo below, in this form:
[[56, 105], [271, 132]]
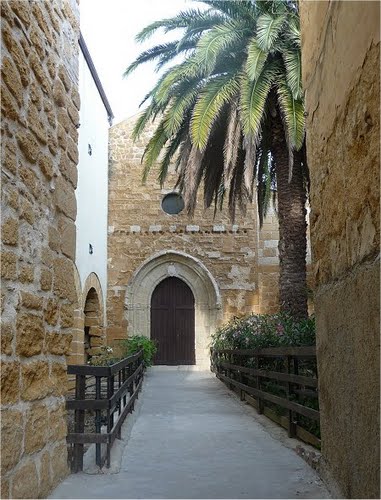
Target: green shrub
[[264, 330], [135, 343], [106, 358]]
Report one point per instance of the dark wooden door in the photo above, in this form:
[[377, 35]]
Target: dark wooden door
[[172, 323]]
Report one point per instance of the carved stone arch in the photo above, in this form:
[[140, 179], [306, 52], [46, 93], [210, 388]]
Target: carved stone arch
[[199, 279]]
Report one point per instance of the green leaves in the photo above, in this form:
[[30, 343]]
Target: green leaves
[[256, 59], [211, 98], [293, 64], [254, 95], [268, 30], [242, 59], [293, 115]]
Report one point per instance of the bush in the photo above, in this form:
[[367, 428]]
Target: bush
[[265, 330], [106, 358], [135, 343]]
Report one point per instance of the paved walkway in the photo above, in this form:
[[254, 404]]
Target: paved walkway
[[194, 439]]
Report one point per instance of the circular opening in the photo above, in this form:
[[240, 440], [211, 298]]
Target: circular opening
[[172, 203]]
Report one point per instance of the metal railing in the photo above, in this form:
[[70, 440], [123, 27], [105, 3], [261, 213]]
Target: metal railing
[[104, 396]]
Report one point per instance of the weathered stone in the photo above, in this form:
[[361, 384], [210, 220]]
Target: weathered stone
[[16, 54], [28, 146], [5, 493], [36, 429], [69, 170], [64, 285], [26, 273], [29, 334], [25, 481], [59, 93], [76, 99], [30, 179], [10, 382], [72, 150], [58, 462], [45, 475], [8, 265], [67, 315], [27, 212], [11, 77], [57, 424], [46, 280], [6, 338], [58, 378], [30, 300], [9, 108], [35, 383], [36, 37], [41, 75], [51, 311], [54, 239], [22, 11], [96, 341], [10, 232], [65, 198], [67, 230], [58, 343], [12, 431]]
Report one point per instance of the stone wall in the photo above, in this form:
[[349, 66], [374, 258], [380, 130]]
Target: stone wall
[[40, 105], [236, 255], [340, 49]]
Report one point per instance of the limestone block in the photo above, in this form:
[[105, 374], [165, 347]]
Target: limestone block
[[35, 383], [67, 315], [58, 461], [29, 334], [58, 343], [46, 280], [46, 165], [25, 481], [10, 232], [12, 79], [30, 300], [58, 378], [96, 341], [36, 432], [65, 198], [57, 427], [10, 382], [51, 312], [45, 475], [64, 285], [6, 338], [28, 146], [11, 438], [67, 230], [8, 266]]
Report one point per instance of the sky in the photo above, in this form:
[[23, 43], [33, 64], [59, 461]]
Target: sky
[[109, 28]]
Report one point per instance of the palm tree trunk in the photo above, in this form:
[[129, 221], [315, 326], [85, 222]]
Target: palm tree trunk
[[292, 227]]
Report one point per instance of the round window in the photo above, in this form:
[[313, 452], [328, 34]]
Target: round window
[[172, 203]]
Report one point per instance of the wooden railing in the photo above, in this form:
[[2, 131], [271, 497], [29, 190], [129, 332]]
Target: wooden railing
[[104, 395], [274, 378]]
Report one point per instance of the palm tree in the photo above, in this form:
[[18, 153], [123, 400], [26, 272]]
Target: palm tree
[[231, 115]]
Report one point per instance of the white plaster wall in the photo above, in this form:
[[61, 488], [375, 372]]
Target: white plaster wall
[[92, 190]]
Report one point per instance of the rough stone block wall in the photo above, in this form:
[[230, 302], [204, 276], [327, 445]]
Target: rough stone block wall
[[341, 69], [235, 254], [40, 103]]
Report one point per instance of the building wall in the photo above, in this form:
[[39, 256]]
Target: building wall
[[236, 255], [40, 103], [92, 186], [340, 50]]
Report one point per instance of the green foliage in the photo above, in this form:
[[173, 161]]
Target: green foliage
[[135, 343], [106, 358], [265, 330]]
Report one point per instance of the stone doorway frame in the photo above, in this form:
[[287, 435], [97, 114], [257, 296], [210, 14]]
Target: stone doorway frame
[[193, 272]]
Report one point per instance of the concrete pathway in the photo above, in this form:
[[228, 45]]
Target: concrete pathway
[[194, 439]]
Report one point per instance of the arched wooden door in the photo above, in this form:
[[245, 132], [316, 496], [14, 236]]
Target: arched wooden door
[[172, 323]]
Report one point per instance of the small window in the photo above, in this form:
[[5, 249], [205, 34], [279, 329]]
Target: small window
[[172, 203]]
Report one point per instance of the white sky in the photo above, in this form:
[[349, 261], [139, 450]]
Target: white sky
[[109, 28]]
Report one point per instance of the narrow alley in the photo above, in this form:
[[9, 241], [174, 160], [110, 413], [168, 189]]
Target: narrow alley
[[193, 438]]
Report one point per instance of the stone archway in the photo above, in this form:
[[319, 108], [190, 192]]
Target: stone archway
[[194, 273]]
